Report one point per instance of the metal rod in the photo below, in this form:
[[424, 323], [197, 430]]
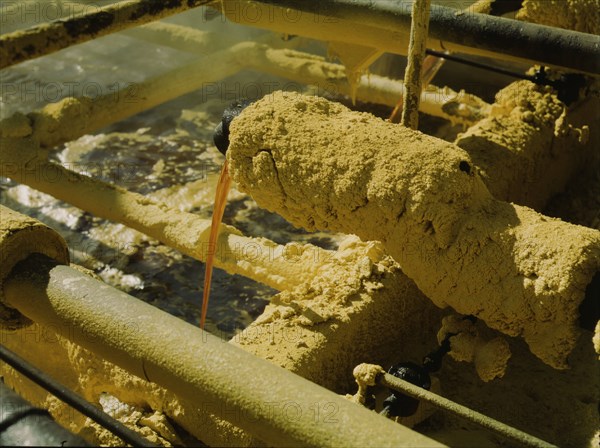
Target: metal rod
[[496, 36], [432, 64], [472, 416], [416, 53], [58, 34], [277, 406], [72, 399], [458, 59]]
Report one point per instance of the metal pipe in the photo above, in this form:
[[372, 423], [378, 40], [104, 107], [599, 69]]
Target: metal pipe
[[73, 117], [72, 399], [460, 32], [58, 34], [22, 424], [277, 406], [278, 266], [472, 416], [306, 68], [416, 53], [454, 30]]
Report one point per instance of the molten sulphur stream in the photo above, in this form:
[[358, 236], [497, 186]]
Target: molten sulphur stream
[[223, 186]]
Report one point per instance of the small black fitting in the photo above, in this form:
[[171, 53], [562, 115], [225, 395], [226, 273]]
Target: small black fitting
[[221, 134], [370, 401], [567, 85], [432, 362], [398, 404]]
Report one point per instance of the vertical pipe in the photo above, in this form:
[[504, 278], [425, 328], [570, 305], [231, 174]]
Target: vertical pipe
[[416, 53]]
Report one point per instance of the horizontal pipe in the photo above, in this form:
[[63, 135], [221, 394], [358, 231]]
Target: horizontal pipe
[[47, 38], [280, 267], [308, 69], [387, 24], [424, 199], [71, 118], [275, 405]]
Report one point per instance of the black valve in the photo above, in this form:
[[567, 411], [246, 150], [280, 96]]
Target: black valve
[[221, 134], [401, 405]]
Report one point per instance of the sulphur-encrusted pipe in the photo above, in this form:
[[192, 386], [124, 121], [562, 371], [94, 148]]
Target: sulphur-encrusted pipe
[[21, 236], [322, 166], [275, 405], [47, 38], [275, 265], [72, 117], [305, 68]]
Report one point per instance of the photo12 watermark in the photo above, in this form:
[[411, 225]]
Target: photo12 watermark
[[31, 12], [54, 91]]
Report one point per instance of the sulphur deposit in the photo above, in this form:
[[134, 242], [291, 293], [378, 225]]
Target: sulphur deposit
[[322, 166]]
